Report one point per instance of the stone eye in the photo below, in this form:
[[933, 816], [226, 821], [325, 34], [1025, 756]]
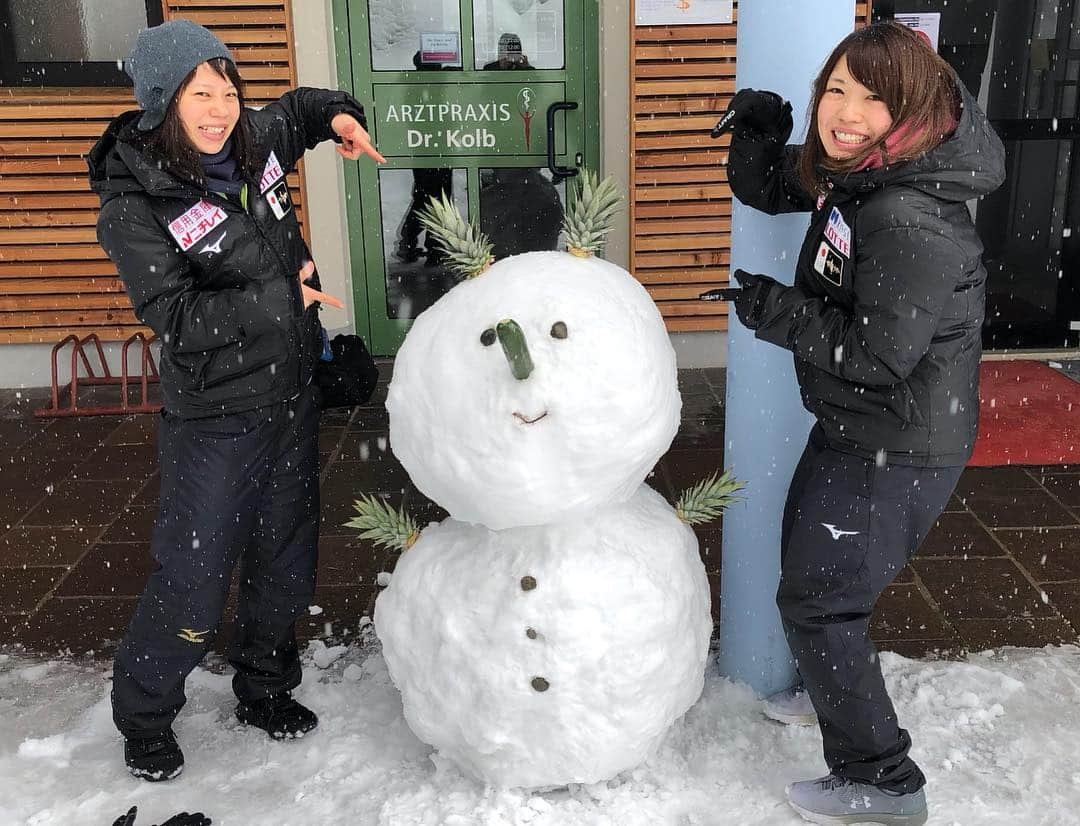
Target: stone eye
[[558, 330], [487, 338]]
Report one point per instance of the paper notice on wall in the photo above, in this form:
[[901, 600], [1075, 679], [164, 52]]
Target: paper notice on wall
[[547, 32], [682, 12], [440, 47], [926, 23]]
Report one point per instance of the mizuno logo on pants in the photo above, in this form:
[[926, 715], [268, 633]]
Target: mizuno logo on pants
[[196, 637], [837, 532]]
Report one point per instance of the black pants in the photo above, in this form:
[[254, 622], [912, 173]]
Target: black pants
[[849, 526], [241, 487]]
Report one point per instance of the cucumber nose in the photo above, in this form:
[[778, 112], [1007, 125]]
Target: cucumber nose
[[515, 348]]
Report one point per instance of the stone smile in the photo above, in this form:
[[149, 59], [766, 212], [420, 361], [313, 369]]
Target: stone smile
[[526, 420]]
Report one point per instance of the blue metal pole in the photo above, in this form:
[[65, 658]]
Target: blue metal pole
[[782, 45]]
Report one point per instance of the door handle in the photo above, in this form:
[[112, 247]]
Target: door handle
[[558, 172]]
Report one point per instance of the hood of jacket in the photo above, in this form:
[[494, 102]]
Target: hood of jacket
[[968, 164], [118, 164]]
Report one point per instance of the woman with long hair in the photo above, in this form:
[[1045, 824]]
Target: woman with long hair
[[884, 320], [196, 215]]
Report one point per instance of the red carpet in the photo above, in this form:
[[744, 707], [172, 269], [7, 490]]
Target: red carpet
[[1030, 415]]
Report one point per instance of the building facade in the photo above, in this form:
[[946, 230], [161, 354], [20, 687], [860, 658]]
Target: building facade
[[497, 103]]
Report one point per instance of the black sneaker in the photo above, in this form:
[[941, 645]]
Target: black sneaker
[[154, 758], [279, 715]]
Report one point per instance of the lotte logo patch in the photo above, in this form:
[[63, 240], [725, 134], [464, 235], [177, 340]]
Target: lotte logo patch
[[839, 233], [271, 174]]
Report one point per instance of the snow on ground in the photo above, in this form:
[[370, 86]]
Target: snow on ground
[[998, 736]]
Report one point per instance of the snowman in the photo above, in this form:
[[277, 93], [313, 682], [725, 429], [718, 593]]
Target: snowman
[[552, 629]]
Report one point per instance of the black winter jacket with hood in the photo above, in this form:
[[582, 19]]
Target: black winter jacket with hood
[[885, 315], [217, 282]]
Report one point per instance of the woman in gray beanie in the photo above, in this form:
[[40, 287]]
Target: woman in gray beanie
[[196, 215]]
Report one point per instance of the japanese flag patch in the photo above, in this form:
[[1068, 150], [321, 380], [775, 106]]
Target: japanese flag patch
[[829, 264], [271, 174], [201, 219], [279, 200]]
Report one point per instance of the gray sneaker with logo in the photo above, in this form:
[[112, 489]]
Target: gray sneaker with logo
[[791, 706], [833, 799]]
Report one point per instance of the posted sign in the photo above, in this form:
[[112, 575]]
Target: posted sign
[[453, 119], [440, 47], [926, 23], [682, 12]]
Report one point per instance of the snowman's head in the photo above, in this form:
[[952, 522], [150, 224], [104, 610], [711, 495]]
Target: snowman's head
[[538, 391]]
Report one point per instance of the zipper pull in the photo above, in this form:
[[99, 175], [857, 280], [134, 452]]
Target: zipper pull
[[327, 352]]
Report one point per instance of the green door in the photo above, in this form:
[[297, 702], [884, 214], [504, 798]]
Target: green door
[[493, 102]]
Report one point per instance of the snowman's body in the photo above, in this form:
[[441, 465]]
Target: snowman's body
[[555, 626], [610, 612]]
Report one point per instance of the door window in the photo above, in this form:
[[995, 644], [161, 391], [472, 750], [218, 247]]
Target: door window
[[518, 34], [521, 210], [407, 35], [1031, 225], [416, 271]]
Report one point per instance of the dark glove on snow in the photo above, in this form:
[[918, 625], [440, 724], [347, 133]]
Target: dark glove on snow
[[754, 115], [185, 819], [181, 819], [751, 302]]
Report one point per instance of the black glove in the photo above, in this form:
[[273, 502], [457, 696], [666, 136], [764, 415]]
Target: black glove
[[185, 819], [751, 301], [181, 819], [757, 115]]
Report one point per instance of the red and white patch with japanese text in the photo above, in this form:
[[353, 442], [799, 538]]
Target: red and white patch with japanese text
[[190, 227], [272, 174]]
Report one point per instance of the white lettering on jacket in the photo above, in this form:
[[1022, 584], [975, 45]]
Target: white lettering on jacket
[[839, 233], [271, 174]]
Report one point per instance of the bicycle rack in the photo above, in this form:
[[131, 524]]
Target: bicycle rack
[[148, 374]]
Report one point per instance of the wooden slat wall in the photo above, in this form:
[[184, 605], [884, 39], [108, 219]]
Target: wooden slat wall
[[680, 204], [54, 278]]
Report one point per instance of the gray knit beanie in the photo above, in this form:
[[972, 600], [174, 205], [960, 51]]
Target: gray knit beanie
[[160, 60]]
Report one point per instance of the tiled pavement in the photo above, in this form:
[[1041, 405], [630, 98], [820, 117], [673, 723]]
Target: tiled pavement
[[78, 500]]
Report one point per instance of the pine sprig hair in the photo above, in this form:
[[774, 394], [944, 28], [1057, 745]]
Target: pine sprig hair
[[589, 219], [380, 522], [467, 249], [707, 499]]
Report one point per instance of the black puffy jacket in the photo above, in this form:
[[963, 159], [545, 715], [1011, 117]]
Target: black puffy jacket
[[886, 311], [217, 282]]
